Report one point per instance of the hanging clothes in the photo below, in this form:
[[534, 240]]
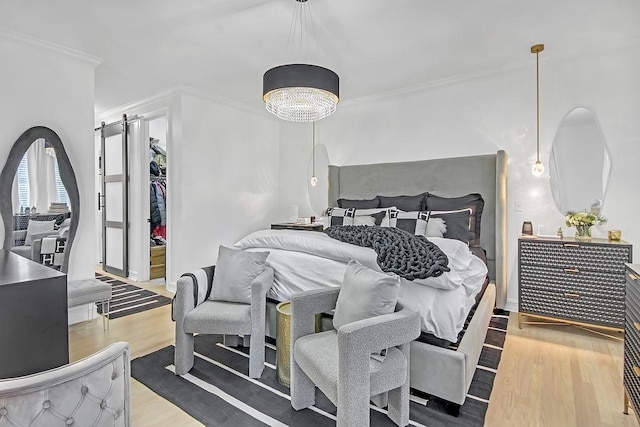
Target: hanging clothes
[[162, 201], [156, 218], [158, 194]]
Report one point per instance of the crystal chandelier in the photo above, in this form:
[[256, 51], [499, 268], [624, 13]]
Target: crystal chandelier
[[301, 92]]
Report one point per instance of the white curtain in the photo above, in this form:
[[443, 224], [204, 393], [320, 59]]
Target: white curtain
[[42, 182], [15, 199]]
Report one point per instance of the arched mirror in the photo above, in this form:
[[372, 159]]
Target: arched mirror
[[38, 174], [579, 164]]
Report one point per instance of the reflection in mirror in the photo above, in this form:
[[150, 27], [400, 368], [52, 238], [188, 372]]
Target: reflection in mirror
[[39, 198], [579, 163]]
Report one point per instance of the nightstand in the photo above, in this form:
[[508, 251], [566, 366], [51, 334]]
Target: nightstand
[[575, 282], [296, 226]]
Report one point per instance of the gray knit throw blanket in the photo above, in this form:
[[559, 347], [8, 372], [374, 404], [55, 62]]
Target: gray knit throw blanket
[[409, 256]]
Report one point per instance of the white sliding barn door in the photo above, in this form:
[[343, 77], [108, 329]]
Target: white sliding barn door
[[114, 198]]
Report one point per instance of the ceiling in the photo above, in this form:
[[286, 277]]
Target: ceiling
[[223, 47]]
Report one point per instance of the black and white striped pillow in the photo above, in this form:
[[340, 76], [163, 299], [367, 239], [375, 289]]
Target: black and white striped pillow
[[412, 222], [341, 216]]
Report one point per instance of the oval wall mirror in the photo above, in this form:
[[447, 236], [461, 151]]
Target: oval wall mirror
[[579, 164], [38, 174]]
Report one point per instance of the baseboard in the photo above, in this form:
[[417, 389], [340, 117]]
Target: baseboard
[[172, 287], [133, 275], [511, 305], [82, 313]]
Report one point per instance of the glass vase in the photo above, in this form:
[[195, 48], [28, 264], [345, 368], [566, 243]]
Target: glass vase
[[583, 232]]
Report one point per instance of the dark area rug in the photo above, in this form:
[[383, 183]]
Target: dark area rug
[[218, 392], [129, 299]]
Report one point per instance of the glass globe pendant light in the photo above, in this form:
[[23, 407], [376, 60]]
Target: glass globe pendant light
[[313, 181], [300, 92], [537, 169]]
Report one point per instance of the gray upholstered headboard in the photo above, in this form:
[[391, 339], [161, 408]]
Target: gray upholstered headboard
[[457, 176]]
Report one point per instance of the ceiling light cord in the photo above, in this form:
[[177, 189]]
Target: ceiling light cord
[[538, 106], [537, 169], [314, 179]]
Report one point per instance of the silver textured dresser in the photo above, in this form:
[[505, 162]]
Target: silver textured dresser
[[631, 374], [573, 281]]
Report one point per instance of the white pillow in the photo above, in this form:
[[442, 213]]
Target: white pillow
[[436, 227], [341, 216], [37, 227], [372, 211]]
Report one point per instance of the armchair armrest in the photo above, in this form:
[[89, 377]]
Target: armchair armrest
[[261, 284], [377, 333], [305, 306], [259, 288], [188, 288]]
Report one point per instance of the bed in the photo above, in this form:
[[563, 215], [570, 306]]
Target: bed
[[435, 370]]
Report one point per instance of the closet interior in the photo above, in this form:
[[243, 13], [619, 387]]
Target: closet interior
[[158, 198]]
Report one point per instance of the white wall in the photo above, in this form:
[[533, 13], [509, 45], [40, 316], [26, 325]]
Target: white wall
[[41, 86], [485, 114], [229, 182]]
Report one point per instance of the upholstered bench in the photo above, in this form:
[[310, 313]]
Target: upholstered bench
[[89, 291]]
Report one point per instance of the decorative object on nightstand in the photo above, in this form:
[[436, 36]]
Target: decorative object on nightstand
[[297, 226], [573, 282], [527, 228], [631, 371], [615, 235], [583, 221]]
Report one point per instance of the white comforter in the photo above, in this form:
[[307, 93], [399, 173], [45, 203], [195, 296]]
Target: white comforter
[[304, 260]]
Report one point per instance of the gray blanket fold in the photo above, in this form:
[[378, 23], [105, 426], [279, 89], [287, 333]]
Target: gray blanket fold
[[409, 256]]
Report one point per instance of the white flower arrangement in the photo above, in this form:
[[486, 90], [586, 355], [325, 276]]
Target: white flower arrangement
[[581, 219]]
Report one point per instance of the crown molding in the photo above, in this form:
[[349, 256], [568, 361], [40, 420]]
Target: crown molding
[[488, 72], [138, 105], [219, 99], [49, 47], [169, 93]]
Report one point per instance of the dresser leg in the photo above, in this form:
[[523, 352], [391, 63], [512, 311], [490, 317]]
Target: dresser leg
[[626, 403], [519, 323]]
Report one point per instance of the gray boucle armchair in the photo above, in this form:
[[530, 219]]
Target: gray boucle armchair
[[194, 313], [90, 392], [340, 363]]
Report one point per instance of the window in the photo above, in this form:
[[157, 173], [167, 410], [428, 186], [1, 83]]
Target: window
[[23, 185]]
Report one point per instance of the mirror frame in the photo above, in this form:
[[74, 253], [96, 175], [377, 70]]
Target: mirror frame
[[67, 176]]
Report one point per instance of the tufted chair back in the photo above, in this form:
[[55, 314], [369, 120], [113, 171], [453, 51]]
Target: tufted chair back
[[93, 391]]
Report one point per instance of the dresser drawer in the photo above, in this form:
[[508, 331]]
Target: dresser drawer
[[594, 257], [573, 306], [633, 302], [631, 381], [632, 342], [573, 280]]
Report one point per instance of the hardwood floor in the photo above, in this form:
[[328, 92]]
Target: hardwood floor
[[548, 376], [558, 376]]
